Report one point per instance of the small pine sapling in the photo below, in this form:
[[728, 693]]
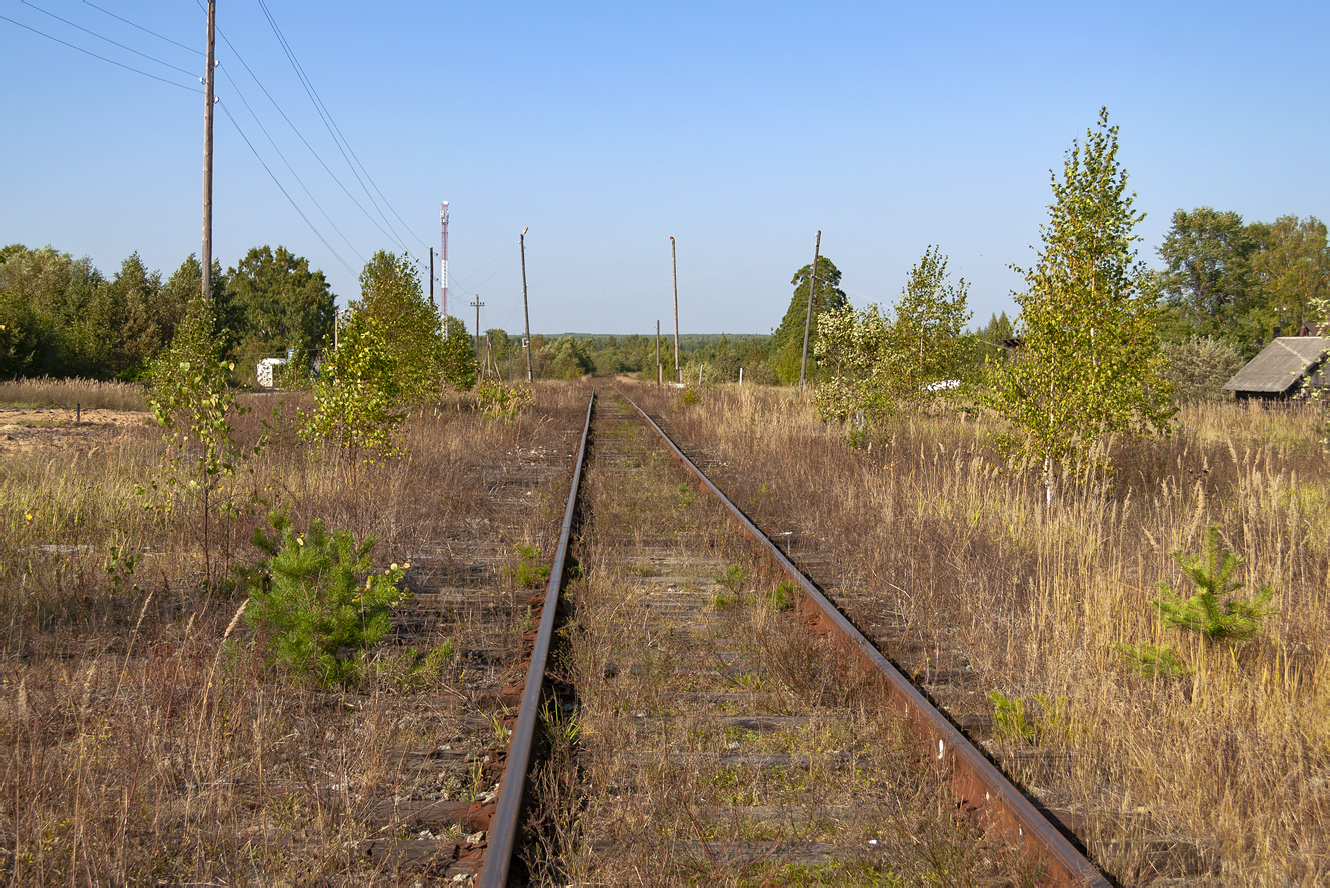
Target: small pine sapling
[[307, 605], [1212, 611]]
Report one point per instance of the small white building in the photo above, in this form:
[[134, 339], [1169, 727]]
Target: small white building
[[265, 373]]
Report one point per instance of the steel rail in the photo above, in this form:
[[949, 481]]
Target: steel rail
[[512, 788], [1000, 805]]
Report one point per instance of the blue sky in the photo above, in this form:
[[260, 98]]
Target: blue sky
[[738, 128]]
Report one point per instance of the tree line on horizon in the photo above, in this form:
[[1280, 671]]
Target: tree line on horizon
[[1226, 289]]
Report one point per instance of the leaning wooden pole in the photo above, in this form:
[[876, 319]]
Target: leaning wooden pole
[[808, 320]]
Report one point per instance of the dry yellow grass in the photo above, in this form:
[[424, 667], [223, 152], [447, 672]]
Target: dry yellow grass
[[139, 740], [91, 394], [957, 544]]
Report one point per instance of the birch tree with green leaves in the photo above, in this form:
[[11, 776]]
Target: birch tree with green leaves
[[876, 366], [1090, 363]]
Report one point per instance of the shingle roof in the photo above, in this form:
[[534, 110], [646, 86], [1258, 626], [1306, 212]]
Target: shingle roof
[[1279, 365]]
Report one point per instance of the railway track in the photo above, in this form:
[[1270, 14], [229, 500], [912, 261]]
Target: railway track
[[706, 713]]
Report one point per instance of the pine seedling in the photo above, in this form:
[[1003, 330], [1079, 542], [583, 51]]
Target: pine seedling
[[308, 603], [1213, 611]]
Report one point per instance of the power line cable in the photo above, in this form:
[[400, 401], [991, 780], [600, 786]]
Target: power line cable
[[108, 39], [103, 58], [296, 175], [296, 130], [276, 182], [314, 95], [145, 30], [324, 115]]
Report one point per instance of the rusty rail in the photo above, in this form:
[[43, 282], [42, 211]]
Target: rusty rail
[[505, 826], [1000, 806]]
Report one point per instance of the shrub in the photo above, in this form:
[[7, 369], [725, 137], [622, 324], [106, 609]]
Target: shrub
[[1199, 366], [500, 401], [193, 403], [307, 603]]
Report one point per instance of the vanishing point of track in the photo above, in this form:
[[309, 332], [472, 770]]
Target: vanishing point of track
[[997, 806]]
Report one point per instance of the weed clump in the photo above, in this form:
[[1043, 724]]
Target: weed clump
[[687, 398], [308, 606], [1011, 719], [783, 597], [527, 572], [1152, 661]]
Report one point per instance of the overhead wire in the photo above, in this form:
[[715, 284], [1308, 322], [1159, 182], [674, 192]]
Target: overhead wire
[[107, 39], [239, 93], [338, 139], [276, 182], [289, 168], [291, 55], [193, 89], [299, 135], [145, 30]]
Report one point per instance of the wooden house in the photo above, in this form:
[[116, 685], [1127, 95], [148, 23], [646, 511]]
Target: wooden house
[[1289, 367]]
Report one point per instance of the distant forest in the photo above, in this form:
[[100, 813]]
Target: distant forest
[[1226, 289]]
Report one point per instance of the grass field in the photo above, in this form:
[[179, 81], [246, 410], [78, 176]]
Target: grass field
[[138, 741]]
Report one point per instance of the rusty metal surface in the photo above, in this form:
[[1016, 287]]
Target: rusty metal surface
[[505, 826], [999, 804]]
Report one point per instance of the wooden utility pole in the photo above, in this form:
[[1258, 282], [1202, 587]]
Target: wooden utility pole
[[808, 321], [658, 373], [477, 306], [208, 101], [431, 277], [674, 267], [526, 314]]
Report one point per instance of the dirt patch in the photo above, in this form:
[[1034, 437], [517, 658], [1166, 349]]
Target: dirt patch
[[30, 428]]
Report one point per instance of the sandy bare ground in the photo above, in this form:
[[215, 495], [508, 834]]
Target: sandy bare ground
[[29, 428]]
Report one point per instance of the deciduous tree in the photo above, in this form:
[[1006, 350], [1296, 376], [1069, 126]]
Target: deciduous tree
[[356, 396], [1090, 363], [279, 303], [390, 294], [877, 366], [1209, 275], [928, 333]]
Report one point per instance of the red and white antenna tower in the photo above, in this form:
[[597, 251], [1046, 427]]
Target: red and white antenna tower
[[443, 277]]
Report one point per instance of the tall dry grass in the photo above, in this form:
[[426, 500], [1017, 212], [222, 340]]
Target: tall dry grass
[[952, 545], [91, 394], [140, 741]]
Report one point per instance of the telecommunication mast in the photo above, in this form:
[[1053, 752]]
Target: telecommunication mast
[[443, 277]]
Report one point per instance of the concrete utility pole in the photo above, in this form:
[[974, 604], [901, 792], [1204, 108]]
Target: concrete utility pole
[[526, 314], [658, 373], [808, 321], [477, 306], [674, 266], [208, 100]]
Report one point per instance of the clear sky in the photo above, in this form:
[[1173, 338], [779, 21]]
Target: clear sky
[[738, 128]]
